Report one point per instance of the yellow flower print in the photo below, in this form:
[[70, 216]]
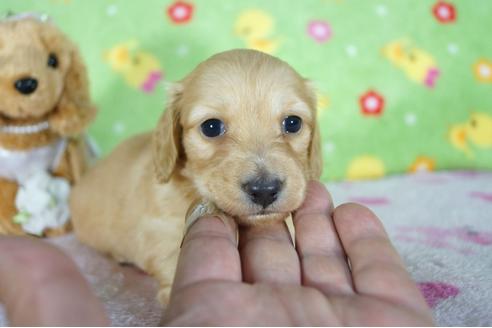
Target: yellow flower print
[[483, 70], [423, 163]]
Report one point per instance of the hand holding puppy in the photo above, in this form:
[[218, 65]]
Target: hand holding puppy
[[264, 280]]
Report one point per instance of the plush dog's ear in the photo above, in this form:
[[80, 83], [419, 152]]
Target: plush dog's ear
[[168, 149], [315, 157], [74, 111]]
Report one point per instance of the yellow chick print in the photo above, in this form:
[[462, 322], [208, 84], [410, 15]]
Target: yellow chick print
[[476, 131], [365, 167], [256, 28], [418, 65], [140, 69]]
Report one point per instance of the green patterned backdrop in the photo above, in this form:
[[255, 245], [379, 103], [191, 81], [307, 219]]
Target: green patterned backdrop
[[403, 85]]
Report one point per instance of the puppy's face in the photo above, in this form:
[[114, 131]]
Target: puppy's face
[[32, 69], [247, 133]]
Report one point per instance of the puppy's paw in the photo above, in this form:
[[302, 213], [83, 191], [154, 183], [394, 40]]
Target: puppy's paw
[[164, 294], [201, 208]]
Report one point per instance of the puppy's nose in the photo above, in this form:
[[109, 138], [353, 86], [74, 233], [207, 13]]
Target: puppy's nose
[[263, 191], [26, 85]]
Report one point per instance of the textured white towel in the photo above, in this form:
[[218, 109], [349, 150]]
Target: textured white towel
[[441, 223]]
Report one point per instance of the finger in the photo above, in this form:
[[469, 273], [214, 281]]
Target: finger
[[377, 269], [41, 286], [209, 252], [268, 255], [323, 261]]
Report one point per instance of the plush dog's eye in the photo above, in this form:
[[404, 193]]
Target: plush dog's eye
[[52, 61], [292, 124], [213, 128]]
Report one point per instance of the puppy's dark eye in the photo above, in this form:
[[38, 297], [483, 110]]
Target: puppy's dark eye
[[292, 124], [213, 128], [52, 61]]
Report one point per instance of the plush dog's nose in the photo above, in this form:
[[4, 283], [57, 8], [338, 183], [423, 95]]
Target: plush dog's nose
[[26, 85], [263, 191]]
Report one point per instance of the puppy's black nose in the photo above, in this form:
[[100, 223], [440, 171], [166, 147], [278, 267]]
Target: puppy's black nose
[[263, 191], [26, 85]]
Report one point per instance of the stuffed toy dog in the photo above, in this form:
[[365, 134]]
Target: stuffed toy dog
[[44, 109]]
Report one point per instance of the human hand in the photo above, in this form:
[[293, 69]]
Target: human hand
[[265, 280], [41, 286]]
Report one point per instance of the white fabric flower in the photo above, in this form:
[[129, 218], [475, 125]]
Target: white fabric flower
[[42, 202]]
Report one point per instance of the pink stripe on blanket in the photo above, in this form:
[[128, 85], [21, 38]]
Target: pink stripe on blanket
[[428, 178], [445, 238], [486, 196], [467, 174], [370, 200], [435, 292]]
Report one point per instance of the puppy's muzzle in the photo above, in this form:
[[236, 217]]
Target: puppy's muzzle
[[262, 190]]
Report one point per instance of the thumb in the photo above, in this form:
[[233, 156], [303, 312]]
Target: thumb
[[41, 286]]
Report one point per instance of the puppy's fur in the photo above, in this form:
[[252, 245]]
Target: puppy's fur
[[132, 205]]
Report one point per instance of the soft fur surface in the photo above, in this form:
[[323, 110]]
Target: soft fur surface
[[439, 222], [132, 204], [61, 99]]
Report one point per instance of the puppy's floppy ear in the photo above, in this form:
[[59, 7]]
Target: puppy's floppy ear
[[74, 110], [168, 149], [315, 157]]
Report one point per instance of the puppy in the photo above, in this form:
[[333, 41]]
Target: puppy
[[239, 132]]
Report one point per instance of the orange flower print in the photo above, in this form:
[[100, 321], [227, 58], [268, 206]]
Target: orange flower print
[[483, 70], [422, 164]]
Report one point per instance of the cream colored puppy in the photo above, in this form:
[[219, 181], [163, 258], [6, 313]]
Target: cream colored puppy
[[239, 132]]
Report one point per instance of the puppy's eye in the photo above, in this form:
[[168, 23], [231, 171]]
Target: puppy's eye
[[213, 128], [52, 61], [292, 124]]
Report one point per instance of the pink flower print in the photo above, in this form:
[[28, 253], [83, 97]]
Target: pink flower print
[[319, 30]]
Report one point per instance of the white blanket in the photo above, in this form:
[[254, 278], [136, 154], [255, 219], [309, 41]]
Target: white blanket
[[441, 223]]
